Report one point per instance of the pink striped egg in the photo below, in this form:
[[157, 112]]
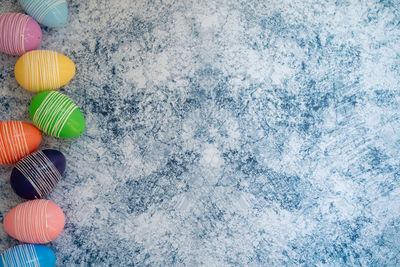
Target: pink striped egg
[[19, 34], [35, 222]]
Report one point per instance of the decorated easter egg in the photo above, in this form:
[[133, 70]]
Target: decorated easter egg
[[28, 255], [37, 174], [43, 70], [19, 34], [36, 221], [56, 114], [51, 13], [17, 140]]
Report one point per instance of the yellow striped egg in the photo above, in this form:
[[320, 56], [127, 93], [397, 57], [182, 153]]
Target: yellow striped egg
[[43, 70]]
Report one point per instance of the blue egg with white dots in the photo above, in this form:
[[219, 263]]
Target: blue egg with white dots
[[51, 13], [28, 255]]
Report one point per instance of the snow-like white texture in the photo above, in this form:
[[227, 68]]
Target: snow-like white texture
[[225, 133]]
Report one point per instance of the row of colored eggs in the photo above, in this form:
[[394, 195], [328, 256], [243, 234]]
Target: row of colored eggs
[[37, 221], [33, 222], [44, 70], [35, 175], [37, 70]]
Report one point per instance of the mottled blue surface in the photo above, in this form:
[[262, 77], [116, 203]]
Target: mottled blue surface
[[226, 133]]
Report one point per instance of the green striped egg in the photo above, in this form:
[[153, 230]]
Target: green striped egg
[[56, 114]]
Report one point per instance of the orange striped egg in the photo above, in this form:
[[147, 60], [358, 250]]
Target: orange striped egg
[[43, 70], [17, 140], [35, 222]]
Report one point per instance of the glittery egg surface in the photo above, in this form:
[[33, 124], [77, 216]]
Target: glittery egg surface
[[35, 221], [56, 114], [51, 13], [17, 140], [37, 174], [28, 255], [43, 70], [19, 34]]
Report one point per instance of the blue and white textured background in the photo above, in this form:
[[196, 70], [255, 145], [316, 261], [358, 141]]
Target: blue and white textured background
[[226, 133]]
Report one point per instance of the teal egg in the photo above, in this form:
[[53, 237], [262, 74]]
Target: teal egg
[[51, 13]]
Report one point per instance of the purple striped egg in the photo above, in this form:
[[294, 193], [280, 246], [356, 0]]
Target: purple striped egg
[[19, 34], [36, 175]]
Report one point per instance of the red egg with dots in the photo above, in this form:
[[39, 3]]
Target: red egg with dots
[[19, 34], [35, 222]]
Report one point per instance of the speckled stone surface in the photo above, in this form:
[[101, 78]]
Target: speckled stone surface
[[225, 133]]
